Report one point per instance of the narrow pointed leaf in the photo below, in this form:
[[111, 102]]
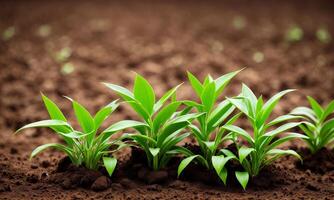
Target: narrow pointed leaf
[[184, 163], [144, 93], [110, 164], [243, 178]]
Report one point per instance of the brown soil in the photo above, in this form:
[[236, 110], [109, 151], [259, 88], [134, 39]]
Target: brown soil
[[161, 40]]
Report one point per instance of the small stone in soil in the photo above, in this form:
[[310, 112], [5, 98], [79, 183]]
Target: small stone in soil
[[100, 184], [126, 183]]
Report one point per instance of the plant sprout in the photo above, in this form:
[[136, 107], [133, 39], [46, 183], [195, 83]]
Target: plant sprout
[[163, 124], [82, 147], [63, 55], [323, 35], [319, 127], [262, 145], [209, 134], [294, 34]]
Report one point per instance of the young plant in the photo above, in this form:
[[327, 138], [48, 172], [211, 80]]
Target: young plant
[[82, 147], [163, 125], [209, 134], [262, 145], [318, 127]]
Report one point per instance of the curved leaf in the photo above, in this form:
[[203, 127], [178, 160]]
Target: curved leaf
[[244, 152], [184, 163], [239, 131], [46, 123], [165, 114], [59, 147], [53, 110], [110, 164], [144, 93], [123, 92], [102, 114], [243, 178], [195, 83]]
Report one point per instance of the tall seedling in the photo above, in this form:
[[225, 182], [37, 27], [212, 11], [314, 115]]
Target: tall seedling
[[209, 133], [262, 146], [163, 123], [83, 147]]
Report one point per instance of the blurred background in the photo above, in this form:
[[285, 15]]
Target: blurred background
[[69, 47]]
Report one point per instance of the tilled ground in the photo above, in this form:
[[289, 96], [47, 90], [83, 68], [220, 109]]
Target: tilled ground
[[160, 40]]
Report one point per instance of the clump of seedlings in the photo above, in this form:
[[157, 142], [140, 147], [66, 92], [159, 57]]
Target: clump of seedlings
[[262, 144], [165, 123], [84, 147], [209, 134], [318, 126], [162, 124]]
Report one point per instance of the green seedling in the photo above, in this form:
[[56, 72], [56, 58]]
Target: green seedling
[[84, 147], [208, 133], [294, 34], [67, 68], [163, 125], [63, 55], [8, 33], [319, 127], [262, 145], [323, 35]]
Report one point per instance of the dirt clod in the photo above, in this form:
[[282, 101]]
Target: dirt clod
[[101, 183]]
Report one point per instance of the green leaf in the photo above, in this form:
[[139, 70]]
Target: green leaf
[[165, 114], [144, 93], [53, 110], [218, 163], [184, 163], [59, 147], [282, 119], [329, 109], [248, 94], [223, 81], [47, 123], [315, 106], [281, 129], [281, 152], [238, 102], [286, 138], [84, 118], [123, 92], [102, 114], [154, 151], [243, 178], [164, 98], [304, 111], [123, 125], [208, 96], [196, 84], [240, 132], [110, 164], [140, 110], [244, 152], [271, 103]]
